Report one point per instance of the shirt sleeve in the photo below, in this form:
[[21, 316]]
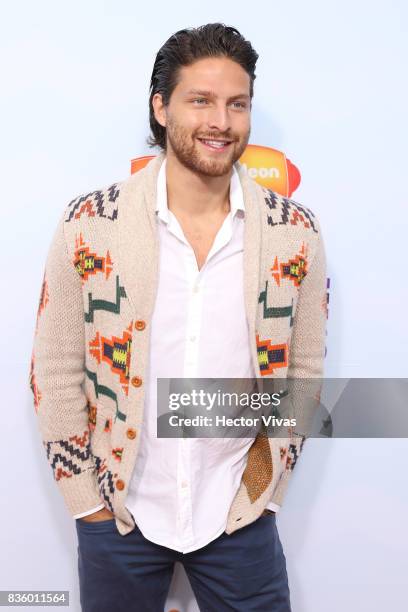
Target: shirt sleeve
[[272, 506], [100, 507]]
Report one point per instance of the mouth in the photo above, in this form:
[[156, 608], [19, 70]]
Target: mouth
[[215, 145]]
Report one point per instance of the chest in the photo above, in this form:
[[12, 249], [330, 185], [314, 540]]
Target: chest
[[201, 236], [201, 246]]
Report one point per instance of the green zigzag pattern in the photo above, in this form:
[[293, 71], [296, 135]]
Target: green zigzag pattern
[[105, 304], [102, 390], [270, 312]]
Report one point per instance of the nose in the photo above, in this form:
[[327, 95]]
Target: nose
[[218, 118]]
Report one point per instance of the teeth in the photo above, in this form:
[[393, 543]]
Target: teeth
[[215, 143]]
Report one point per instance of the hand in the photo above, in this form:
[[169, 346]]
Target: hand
[[101, 515]]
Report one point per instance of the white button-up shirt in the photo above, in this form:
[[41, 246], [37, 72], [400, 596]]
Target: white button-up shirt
[[182, 489]]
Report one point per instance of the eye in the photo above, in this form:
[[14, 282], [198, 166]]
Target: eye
[[200, 100], [240, 104]]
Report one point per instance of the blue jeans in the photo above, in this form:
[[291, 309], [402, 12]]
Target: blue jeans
[[241, 572]]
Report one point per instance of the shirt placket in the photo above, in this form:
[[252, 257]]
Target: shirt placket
[[192, 340], [195, 280]]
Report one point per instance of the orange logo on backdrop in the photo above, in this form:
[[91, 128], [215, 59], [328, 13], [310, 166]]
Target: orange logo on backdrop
[[268, 167]]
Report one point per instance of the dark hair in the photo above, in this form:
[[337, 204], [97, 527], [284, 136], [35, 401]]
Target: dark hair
[[184, 48]]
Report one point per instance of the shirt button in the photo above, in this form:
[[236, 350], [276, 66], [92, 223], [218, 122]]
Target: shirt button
[[193, 338], [131, 433], [140, 325], [136, 381], [184, 484], [120, 485], [196, 288]]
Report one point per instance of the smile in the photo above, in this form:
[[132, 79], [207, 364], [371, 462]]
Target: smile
[[215, 145]]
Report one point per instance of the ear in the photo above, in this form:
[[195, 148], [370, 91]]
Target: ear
[[159, 109]]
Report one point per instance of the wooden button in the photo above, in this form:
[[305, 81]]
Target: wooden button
[[131, 433], [140, 324], [120, 485], [136, 381]]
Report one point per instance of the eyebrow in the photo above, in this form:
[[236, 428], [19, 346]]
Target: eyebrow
[[211, 94]]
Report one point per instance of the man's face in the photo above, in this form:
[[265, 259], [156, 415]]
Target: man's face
[[210, 102]]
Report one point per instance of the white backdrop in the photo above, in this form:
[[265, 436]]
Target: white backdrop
[[331, 94]]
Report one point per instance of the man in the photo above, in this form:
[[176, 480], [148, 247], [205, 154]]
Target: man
[[185, 269]]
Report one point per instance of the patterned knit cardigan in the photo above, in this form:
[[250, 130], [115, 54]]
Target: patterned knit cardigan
[[91, 338]]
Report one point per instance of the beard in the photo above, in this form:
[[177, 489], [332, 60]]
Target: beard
[[186, 149]]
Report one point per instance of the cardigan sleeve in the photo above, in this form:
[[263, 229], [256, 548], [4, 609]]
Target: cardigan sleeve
[[307, 346], [57, 371], [306, 358]]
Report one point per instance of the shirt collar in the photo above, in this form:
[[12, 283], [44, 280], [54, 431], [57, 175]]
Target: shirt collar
[[236, 194]]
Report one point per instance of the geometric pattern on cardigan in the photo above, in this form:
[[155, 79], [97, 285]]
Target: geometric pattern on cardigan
[[87, 263], [289, 211], [274, 311], [33, 384], [106, 481], [271, 356], [92, 413], [295, 269], [117, 453], [104, 390], [116, 352], [100, 304], [69, 457], [99, 203], [258, 470], [294, 451], [43, 301]]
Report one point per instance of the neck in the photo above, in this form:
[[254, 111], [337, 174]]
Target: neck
[[195, 194]]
